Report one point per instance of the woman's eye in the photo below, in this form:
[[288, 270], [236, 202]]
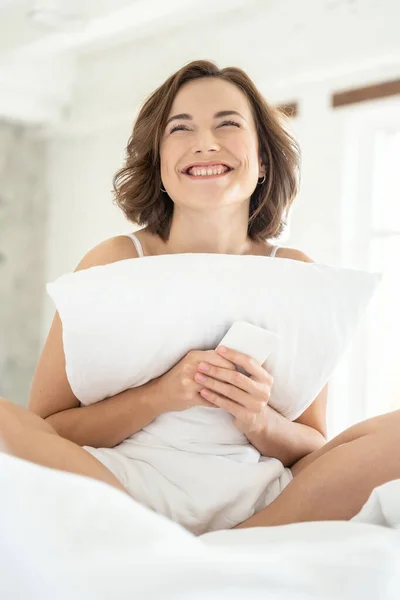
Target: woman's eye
[[234, 123], [179, 128]]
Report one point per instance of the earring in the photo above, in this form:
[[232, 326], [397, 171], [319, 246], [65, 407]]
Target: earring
[[260, 182], [162, 189]]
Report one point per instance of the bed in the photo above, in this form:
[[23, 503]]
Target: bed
[[64, 536]]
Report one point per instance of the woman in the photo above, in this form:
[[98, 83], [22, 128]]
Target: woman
[[210, 168]]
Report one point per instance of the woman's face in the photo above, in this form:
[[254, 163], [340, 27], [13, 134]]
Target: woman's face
[[209, 150]]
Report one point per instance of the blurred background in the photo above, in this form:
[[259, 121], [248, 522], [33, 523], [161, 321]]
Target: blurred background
[[72, 77]]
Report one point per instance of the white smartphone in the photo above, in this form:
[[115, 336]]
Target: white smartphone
[[249, 339]]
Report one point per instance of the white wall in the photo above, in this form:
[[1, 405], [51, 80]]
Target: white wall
[[81, 211], [23, 212]]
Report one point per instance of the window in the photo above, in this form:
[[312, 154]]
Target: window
[[383, 331], [367, 381]]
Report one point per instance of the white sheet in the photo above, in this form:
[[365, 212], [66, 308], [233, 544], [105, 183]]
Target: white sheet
[[196, 468], [67, 537]]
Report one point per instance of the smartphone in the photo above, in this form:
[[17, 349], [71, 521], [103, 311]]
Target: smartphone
[[252, 340]]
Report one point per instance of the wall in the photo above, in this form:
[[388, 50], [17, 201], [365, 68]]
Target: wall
[[81, 210], [23, 208]]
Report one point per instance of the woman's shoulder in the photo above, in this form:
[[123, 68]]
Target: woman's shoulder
[[122, 247], [293, 254], [110, 250]]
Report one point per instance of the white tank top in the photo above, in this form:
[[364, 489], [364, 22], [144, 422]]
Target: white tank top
[[139, 247]]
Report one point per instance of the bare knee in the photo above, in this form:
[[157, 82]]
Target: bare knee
[[385, 424], [10, 425], [389, 422], [385, 434], [7, 410], [395, 418], [15, 422]]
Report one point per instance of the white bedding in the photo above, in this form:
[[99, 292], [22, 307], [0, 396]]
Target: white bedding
[[64, 536]]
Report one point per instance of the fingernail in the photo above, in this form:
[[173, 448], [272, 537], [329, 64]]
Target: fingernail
[[222, 348], [203, 367], [200, 378]]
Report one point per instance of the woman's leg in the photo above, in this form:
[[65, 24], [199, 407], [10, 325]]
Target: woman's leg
[[334, 482], [25, 435]]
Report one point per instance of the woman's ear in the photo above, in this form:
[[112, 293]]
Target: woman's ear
[[261, 169]]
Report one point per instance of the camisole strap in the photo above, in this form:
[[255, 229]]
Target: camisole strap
[[273, 251], [137, 244]]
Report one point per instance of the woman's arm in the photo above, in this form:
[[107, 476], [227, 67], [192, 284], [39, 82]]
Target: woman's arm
[[106, 423], [289, 441]]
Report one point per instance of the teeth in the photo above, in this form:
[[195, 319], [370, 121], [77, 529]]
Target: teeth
[[204, 171]]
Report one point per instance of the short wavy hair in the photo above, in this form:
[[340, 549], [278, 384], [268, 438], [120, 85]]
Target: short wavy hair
[[137, 185]]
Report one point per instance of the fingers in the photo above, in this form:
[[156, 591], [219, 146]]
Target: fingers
[[225, 389], [233, 377], [254, 398], [246, 419], [212, 357], [201, 401], [235, 409], [217, 360], [234, 385], [244, 397], [247, 363]]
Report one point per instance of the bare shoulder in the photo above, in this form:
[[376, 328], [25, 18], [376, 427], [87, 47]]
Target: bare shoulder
[[111, 250], [293, 254]]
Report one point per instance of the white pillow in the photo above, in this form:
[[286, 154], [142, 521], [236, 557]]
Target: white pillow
[[131, 321]]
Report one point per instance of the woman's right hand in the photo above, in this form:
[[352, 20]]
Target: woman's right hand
[[177, 389]]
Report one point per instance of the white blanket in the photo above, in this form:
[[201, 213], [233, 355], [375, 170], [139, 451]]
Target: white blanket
[[63, 536]]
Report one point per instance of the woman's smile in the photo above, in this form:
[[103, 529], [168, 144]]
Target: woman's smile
[[207, 170], [210, 136]]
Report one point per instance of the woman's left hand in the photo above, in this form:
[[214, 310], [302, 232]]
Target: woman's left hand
[[245, 397]]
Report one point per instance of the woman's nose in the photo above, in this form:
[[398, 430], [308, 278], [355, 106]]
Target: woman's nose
[[205, 142]]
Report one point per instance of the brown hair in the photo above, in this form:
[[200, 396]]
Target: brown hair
[[137, 185]]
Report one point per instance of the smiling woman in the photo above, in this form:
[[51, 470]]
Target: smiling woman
[[210, 169], [206, 133], [203, 117]]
